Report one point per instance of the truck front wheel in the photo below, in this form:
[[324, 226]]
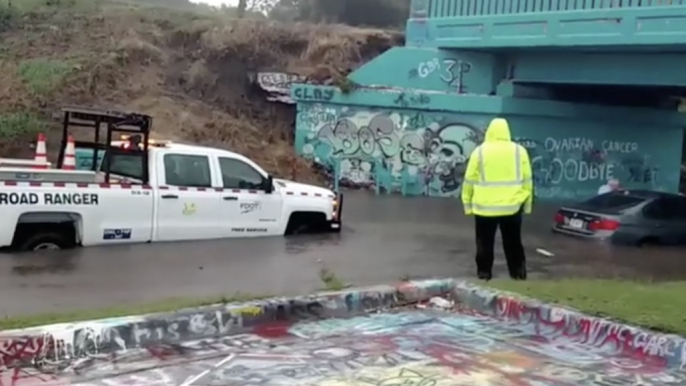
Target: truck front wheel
[[306, 222]]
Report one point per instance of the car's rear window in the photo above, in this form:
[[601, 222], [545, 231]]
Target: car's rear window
[[124, 164], [613, 201]]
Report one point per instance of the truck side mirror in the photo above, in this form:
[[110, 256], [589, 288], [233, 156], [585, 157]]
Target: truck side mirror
[[269, 184]]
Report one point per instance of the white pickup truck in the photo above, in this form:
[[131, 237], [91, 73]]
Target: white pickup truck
[[143, 193]]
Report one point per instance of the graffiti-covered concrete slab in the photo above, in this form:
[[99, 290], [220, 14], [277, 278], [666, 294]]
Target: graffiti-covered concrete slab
[[430, 333]]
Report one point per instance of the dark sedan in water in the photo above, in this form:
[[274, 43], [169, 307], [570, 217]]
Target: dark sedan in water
[[635, 217]]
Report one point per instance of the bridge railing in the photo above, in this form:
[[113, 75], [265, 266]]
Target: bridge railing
[[461, 8]]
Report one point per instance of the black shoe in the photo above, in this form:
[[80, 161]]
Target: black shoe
[[484, 276], [521, 275]]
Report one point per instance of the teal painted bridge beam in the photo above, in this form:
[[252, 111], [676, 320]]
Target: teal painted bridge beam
[[656, 69], [540, 27]]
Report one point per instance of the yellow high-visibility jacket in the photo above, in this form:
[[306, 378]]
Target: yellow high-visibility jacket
[[498, 179]]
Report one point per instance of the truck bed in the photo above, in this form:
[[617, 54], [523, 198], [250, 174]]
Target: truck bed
[[22, 163], [20, 174]]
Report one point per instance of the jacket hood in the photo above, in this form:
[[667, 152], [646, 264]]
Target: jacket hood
[[498, 130]]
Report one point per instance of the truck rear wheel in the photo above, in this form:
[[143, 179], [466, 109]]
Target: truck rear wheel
[[44, 242], [40, 237]]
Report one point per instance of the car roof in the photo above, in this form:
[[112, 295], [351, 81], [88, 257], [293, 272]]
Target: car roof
[[649, 194]]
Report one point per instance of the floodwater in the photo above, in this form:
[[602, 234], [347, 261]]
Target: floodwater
[[384, 239]]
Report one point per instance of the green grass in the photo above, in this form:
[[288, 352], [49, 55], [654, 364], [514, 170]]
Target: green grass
[[43, 76], [169, 305], [331, 281], [658, 306], [21, 6], [15, 125]]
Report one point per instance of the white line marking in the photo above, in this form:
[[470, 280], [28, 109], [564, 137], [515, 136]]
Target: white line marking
[[196, 378], [223, 361]]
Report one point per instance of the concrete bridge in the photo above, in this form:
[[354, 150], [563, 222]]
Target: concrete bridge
[[591, 87]]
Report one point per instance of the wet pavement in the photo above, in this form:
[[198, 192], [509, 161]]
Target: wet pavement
[[384, 239]]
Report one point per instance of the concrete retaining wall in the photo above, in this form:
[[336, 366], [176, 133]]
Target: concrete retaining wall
[[602, 336], [57, 349]]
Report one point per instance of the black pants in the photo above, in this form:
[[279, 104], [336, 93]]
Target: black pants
[[511, 231]]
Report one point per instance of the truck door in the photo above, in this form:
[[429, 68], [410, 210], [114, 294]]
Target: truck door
[[248, 210], [186, 202]]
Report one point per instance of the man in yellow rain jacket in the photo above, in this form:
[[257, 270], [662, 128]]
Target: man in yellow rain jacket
[[497, 188]]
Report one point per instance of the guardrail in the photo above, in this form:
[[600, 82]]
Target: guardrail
[[461, 8]]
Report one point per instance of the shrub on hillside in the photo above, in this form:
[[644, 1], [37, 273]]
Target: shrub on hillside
[[7, 16], [16, 125], [42, 76]]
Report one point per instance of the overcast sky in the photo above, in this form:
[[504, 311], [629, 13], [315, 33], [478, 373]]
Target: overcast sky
[[216, 2]]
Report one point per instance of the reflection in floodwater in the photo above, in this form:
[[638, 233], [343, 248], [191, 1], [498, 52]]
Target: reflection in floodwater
[[44, 262]]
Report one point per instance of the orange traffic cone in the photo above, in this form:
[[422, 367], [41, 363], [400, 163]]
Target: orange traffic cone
[[41, 157], [69, 162]]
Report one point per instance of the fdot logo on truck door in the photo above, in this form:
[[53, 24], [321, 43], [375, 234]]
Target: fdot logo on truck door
[[247, 207], [49, 199]]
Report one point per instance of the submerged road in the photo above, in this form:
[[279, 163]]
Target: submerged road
[[384, 239]]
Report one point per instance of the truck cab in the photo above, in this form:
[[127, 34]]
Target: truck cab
[[211, 193]]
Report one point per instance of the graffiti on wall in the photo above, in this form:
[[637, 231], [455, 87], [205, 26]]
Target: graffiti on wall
[[561, 162], [451, 71], [393, 149], [425, 153], [278, 85]]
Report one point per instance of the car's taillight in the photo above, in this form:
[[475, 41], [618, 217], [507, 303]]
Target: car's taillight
[[559, 218], [604, 224]]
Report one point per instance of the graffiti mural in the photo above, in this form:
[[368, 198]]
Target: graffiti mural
[[396, 150], [425, 153]]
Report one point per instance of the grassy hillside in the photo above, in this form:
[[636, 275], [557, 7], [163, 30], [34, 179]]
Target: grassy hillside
[[189, 69]]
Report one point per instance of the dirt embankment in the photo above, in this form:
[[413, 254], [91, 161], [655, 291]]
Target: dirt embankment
[[191, 72]]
